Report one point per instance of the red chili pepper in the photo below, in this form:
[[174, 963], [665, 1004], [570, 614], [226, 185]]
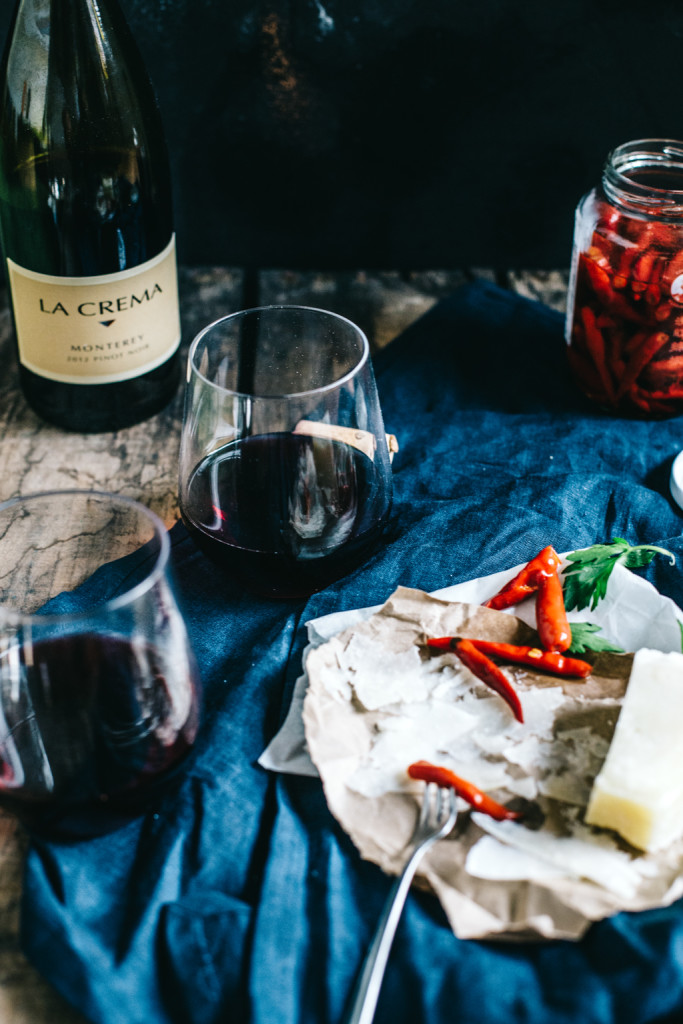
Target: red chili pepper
[[646, 267], [635, 341], [673, 268], [427, 772], [600, 280], [595, 343], [667, 367], [646, 401], [527, 580], [551, 617], [489, 673], [548, 661], [664, 236], [653, 295], [614, 353], [639, 360], [584, 370], [601, 285], [626, 262], [597, 253], [672, 392]]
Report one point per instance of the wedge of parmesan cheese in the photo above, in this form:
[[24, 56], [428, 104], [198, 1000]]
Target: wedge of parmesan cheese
[[639, 790]]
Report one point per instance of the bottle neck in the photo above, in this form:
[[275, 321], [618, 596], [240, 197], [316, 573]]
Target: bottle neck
[[646, 177]]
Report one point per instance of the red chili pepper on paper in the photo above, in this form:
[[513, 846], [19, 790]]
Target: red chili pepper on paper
[[526, 581], [551, 616], [547, 661], [489, 673], [427, 772]]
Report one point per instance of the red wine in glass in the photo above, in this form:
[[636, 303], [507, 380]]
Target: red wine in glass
[[285, 469], [285, 512], [99, 694], [99, 722]]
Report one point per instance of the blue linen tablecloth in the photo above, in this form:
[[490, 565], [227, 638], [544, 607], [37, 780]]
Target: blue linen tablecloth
[[237, 897]]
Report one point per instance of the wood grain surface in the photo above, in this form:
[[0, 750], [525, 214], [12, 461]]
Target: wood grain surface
[[141, 462]]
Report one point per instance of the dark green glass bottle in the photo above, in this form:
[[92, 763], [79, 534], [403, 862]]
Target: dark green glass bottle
[[86, 218]]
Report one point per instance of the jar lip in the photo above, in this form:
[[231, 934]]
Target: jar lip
[[621, 183]]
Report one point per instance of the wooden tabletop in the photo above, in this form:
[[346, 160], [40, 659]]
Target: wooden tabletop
[[141, 462]]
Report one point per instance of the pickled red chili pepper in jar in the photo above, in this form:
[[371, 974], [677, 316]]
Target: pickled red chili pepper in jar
[[625, 310]]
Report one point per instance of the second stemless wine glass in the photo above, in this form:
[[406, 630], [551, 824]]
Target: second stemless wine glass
[[285, 474], [98, 685]]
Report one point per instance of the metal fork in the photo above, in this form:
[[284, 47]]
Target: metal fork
[[437, 818]]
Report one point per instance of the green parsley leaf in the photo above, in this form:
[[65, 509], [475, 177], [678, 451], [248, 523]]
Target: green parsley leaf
[[585, 582], [680, 626], [584, 639]]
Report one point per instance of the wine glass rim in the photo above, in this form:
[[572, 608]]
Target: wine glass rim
[[13, 615], [331, 386]]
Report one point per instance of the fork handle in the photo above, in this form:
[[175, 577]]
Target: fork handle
[[369, 982]]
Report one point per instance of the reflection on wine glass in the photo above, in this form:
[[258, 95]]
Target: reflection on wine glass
[[98, 687], [285, 475]]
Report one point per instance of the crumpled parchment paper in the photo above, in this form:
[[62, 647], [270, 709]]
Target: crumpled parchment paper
[[378, 699]]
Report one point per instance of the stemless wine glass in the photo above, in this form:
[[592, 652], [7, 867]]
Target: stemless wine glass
[[98, 687], [285, 474]]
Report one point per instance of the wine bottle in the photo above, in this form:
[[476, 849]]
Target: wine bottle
[[86, 218]]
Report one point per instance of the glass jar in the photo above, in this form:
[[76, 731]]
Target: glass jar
[[624, 327]]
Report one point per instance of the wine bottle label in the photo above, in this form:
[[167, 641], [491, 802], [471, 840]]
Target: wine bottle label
[[97, 330]]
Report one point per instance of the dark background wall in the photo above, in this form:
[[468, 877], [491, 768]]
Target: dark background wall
[[399, 133]]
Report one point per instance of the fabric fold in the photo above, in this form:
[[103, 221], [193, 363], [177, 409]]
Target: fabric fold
[[237, 897]]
